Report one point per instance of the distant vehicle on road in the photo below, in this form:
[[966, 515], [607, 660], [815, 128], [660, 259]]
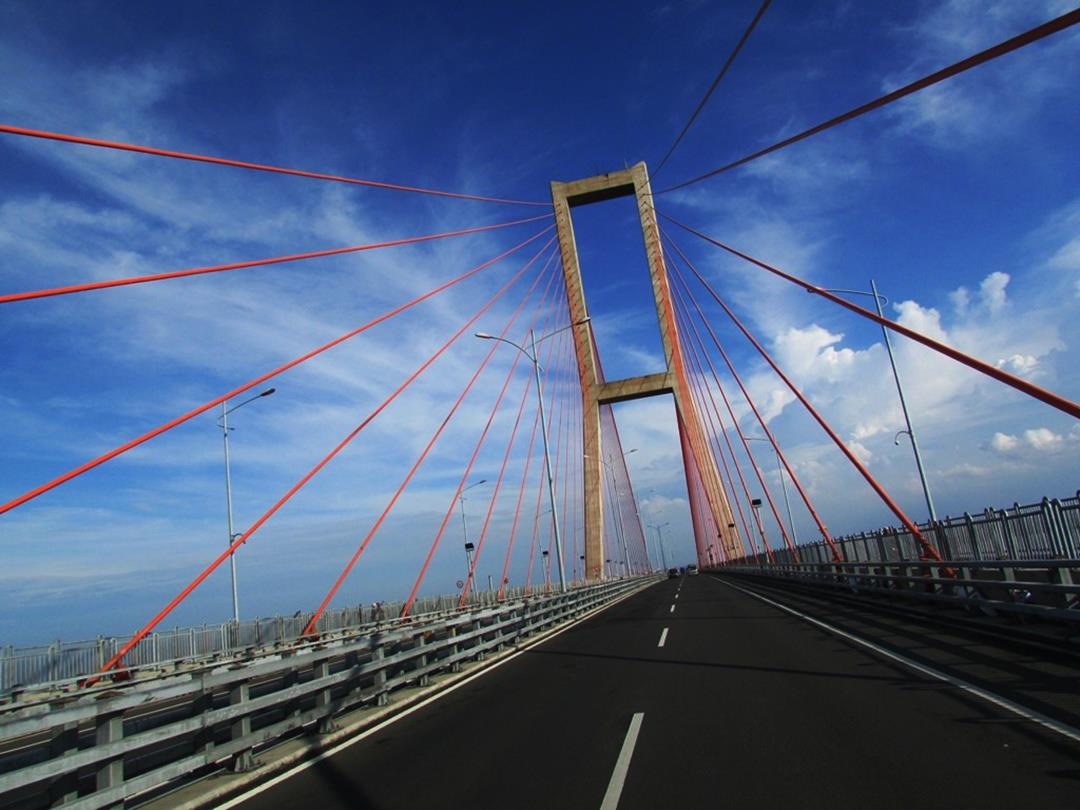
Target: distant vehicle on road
[[673, 573], [691, 570]]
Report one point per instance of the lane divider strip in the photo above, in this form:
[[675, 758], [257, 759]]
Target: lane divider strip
[[1041, 719], [622, 764]]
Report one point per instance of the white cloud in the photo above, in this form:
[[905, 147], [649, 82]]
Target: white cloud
[[810, 354], [1021, 364], [1004, 443], [1043, 439], [861, 451], [992, 291], [1067, 256], [1033, 442], [960, 299], [993, 102]]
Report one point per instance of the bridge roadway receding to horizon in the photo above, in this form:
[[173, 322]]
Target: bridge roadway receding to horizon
[[703, 691]]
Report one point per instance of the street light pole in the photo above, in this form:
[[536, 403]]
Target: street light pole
[[543, 427], [755, 505], [464, 524], [904, 408], [620, 528], [783, 487], [547, 465], [223, 423], [878, 299], [660, 540]]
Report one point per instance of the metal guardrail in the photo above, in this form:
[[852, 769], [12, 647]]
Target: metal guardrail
[[1045, 589], [67, 661], [1046, 530], [104, 745]]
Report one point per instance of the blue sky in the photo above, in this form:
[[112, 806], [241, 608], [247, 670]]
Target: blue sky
[[961, 202]]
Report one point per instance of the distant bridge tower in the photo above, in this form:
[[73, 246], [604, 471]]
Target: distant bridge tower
[[711, 514]]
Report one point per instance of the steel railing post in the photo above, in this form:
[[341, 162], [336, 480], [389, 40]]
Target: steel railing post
[[324, 702], [240, 728], [109, 728]]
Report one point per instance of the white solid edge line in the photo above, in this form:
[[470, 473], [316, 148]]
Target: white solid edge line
[[663, 637], [1022, 711], [295, 769], [622, 764]]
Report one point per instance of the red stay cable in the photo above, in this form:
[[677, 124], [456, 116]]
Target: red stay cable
[[241, 539], [1049, 397], [437, 539], [1046, 29], [729, 482], [482, 537], [517, 509], [723, 70], [715, 410], [471, 575], [534, 543], [521, 489], [577, 484], [567, 474], [220, 268], [355, 558], [535, 530], [928, 550], [691, 421], [241, 164], [753, 464], [123, 448], [753, 407], [564, 391]]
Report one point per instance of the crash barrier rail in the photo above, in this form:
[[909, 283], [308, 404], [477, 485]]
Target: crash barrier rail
[[104, 745], [1046, 530], [66, 661], [1044, 589]]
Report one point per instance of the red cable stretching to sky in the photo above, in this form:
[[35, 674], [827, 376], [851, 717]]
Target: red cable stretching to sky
[[928, 550], [261, 167], [219, 268], [1020, 384], [241, 539], [129, 445], [355, 558], [761, 421], [524, 483], [561, 358], [1035, 34], [701, 104], [681, 314], [480, 442], [470, 576], [440, 533], [715, 410], [482, 537], [716, 429]]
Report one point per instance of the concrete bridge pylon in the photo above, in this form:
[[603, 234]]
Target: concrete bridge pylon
[[711, 516]]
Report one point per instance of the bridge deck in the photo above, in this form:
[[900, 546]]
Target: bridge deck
[[743, 703]]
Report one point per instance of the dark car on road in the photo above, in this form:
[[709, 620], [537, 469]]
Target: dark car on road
[[673, 573]]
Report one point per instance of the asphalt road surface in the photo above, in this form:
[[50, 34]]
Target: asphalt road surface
[[696, 694]]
